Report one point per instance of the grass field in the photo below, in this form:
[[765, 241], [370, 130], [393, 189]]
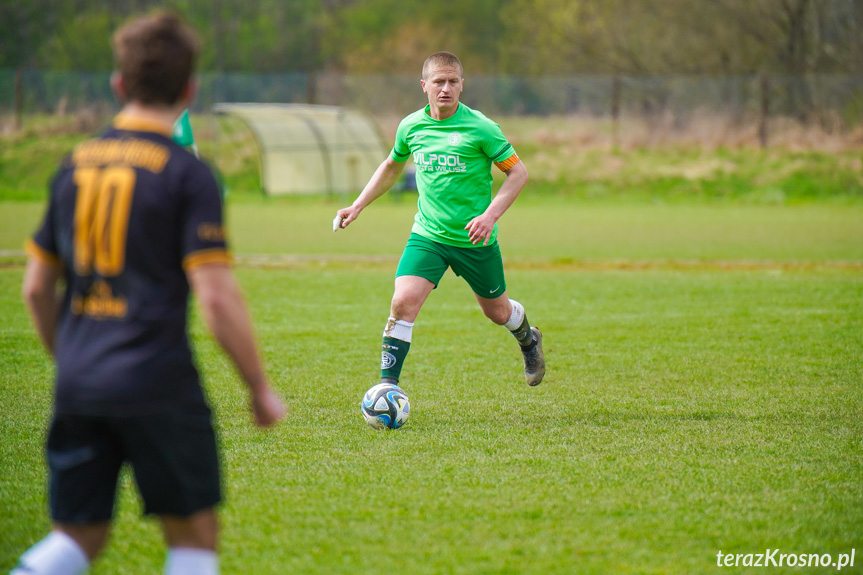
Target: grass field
[[703, 319], [567, 157], [704, 394]]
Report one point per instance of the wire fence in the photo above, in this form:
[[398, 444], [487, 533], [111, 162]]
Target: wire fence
[[755, 106]]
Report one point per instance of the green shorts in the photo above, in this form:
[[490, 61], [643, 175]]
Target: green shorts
[[481, 267]]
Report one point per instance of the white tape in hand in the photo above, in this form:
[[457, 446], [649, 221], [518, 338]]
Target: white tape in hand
[[337, 223]]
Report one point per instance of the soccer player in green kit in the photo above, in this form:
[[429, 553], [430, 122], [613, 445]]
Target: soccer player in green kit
[[453, 148]]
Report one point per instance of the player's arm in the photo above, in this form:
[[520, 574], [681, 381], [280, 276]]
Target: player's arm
[[481, 227], [226, 316], [381, 181], [43, 300]]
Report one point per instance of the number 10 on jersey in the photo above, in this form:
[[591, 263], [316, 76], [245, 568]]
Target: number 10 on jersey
[[102, 218]]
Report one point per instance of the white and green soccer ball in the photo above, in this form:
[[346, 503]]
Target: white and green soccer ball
[[385, 406]]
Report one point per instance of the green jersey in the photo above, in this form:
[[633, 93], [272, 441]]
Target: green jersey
[[453, 159]]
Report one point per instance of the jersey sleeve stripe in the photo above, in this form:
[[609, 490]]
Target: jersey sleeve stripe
[[217, 256], [36, 251], [507, 163], [506, 149], [399, 157]]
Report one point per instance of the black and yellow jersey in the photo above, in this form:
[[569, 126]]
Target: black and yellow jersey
[[130, 212]]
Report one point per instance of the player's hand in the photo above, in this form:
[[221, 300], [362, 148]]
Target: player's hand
[[480, 229], [267, 407], [344, 217]]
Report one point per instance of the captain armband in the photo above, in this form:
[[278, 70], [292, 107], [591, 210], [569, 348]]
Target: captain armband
[[506, 164]]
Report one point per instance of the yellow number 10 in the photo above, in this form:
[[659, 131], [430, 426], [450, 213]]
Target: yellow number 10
[[102, 219]]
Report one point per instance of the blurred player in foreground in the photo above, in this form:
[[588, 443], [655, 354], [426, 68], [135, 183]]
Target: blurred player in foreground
[[134, 220], [453, 148]]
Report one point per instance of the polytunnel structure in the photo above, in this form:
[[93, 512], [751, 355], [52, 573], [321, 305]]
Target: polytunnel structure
[[308, 149]]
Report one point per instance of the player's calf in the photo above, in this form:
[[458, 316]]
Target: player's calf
[[394, 348]]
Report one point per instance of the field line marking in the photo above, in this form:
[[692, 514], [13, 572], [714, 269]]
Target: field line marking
[[17, 258]]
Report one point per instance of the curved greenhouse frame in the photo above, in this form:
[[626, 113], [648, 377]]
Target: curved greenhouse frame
[[311, 149]]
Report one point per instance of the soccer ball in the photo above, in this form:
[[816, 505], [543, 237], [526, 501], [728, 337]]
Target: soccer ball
[[385, 405]]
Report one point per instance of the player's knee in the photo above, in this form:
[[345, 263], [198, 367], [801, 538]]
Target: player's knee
[[404, 308], [198, 531], [497, 314]]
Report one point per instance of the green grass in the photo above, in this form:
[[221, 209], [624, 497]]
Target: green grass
[[564, 156], [544, 232], [703, 320], [703, 394], [683, 413], [568, 157]]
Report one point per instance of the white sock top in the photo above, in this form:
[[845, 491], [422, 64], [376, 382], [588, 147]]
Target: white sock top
[[189, 561], [56, 554], [399, 329], [517, 316]]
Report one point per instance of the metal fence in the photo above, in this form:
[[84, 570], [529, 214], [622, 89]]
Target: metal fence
[[833, 104]]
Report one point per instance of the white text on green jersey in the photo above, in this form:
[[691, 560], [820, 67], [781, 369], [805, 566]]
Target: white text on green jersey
[[439, 162]]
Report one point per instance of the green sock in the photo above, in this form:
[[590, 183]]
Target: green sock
[[393, 352], [523, 334]]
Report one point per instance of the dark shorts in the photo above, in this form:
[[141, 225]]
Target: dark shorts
[[481, 267], [173, 456]]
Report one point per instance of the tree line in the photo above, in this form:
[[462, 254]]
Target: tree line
[[492, 37]]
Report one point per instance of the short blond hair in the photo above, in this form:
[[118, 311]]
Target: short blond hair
[[442, 59]]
